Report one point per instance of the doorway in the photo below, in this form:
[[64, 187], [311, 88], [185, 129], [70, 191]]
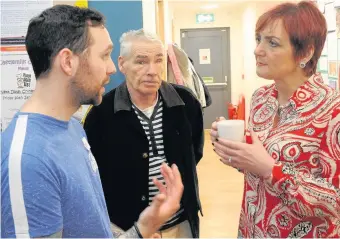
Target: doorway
[[209, 48]]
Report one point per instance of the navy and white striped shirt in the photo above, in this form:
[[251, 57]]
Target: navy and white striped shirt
[[151, 120]]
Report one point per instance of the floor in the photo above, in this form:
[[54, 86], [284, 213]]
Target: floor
[[221, 190]]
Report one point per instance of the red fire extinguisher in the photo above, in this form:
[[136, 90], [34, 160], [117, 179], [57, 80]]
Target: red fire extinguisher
[[237, 111], [241, 108], [232, 111]]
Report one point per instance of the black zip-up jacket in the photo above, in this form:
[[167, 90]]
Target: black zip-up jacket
[[120, 146]]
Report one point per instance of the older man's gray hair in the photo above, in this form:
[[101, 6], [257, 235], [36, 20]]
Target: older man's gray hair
[[128, 37]]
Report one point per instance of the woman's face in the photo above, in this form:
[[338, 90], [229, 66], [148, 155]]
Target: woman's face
[[274, 53]]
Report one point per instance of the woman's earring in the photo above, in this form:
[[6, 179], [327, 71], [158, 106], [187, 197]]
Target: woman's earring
[[302, 65]]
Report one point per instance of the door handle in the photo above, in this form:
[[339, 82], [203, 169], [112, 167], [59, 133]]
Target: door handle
[[216, 84], [219, 84]]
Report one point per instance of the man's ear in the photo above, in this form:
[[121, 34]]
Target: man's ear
[[121, 62], [68, 61]]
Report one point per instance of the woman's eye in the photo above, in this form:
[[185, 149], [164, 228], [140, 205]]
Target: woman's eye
[[273, 44]]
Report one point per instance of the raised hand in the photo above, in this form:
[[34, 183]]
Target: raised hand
[[165, 204]]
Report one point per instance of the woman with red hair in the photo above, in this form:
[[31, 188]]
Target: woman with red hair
[[291, 160]]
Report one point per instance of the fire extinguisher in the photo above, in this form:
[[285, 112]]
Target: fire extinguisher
[[232, 111], [237, 111], [241, 108]]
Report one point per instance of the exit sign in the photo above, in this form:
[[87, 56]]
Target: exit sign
[[205, 17]]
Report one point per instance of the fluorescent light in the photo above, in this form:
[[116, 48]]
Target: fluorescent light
[[210, 6]]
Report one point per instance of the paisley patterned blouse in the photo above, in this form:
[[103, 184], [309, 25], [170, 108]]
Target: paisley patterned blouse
[[302, 199]]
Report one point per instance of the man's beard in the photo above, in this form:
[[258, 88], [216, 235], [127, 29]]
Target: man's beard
[[82, 92], [83, 95], [90, 101], [81, 89]]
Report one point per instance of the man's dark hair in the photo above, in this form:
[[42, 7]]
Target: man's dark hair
[[56, 28]]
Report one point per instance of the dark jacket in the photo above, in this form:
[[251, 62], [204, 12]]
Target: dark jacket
[[120, 146]]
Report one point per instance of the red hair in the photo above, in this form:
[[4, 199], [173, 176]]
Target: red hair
[[305, 25]]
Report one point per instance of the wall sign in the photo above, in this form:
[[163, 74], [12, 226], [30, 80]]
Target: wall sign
[[205, 17], [204, 55]]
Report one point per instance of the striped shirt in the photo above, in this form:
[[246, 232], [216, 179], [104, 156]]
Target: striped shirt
[[151, 120]]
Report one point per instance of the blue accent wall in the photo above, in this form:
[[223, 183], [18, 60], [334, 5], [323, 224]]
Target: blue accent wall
[[121, 16]]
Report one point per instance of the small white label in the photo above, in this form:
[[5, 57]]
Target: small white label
[[92, 159], [93, 162], [86, 144]]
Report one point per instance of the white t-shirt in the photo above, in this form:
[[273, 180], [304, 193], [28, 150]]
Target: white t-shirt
[[149, 111]]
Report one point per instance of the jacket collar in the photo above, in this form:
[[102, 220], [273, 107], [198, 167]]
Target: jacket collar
[[168, 93]]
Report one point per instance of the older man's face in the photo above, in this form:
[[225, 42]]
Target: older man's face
[[144, 67]]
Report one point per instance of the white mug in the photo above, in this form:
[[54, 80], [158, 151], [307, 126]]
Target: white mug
[[231, 130]]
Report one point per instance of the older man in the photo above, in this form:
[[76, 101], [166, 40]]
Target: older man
[[141, 124]]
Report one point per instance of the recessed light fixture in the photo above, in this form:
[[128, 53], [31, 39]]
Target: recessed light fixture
[[210, 6]]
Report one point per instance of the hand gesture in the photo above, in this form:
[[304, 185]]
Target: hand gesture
[[165, 204]]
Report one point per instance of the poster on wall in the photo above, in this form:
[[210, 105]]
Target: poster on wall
[[17, 76], [204, 55], [16, 16], [333, 83], [332, 69], [337, 22], [17, 83]]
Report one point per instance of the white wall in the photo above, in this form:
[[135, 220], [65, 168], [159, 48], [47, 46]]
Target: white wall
[[248, 46], [251, 12], [149, 15], [241, 19], [168, 15], [186, 18], [149, 18]]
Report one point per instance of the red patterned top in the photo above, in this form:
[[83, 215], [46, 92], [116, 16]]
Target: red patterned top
[[303, 197]]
